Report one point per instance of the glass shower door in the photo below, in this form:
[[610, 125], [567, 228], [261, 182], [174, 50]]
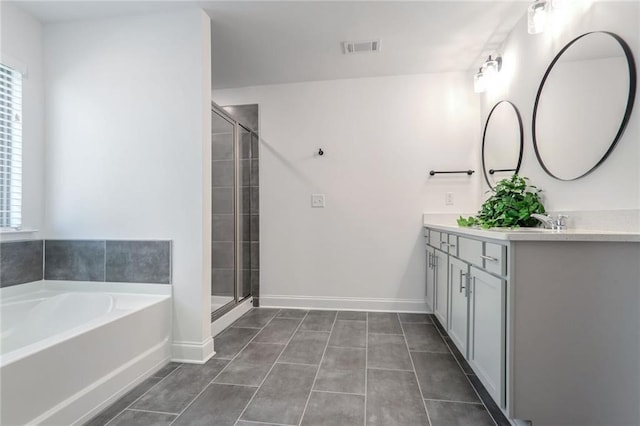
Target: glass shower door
[[234, 200], [223, 208]]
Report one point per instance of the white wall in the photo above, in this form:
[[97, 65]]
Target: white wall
[[128, 131], [21, 48], [615, 185], [380, 136]]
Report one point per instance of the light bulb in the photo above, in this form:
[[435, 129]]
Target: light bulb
[[479, 82], [537, 17]]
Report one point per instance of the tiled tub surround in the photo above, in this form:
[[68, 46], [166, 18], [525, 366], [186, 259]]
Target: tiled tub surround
[[68, 349], [298, 367], [131, 261], [108, 261], [20, 262]]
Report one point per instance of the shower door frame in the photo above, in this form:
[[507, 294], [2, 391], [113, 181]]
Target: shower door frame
[[237, 243]]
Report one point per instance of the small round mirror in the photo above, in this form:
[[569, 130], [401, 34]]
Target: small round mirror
[[502, 142], [583, 104]]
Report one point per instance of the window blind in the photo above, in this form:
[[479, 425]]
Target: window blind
[[10, 147]]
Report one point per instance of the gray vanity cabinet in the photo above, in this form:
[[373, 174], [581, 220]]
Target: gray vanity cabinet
[[469, 279], [441, 269], [458, 303], [430, 290], [486, 355]]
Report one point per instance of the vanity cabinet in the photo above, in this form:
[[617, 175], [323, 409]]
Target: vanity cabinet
[[486, 355], [458, 303], [430, 290], [468, 277], [542, 316], [441, 279]]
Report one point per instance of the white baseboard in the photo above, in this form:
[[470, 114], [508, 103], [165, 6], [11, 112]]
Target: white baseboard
[[345, 303], [192, 352], [230, 317]]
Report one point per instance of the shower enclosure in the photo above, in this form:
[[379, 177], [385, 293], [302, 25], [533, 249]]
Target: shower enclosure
[[234, 220]]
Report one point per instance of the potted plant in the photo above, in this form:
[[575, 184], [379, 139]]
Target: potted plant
[[511, 206]]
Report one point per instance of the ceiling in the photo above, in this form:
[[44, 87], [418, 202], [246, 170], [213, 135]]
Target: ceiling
[[271, 42]]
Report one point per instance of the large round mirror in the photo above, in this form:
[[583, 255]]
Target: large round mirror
[[583, 104], [502, 142]]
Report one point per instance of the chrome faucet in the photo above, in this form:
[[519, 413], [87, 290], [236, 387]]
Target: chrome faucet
[[556, 223]]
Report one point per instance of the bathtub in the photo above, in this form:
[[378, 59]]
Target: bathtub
[[68, 349]]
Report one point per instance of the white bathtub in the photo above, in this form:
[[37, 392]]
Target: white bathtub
[[67, 349]]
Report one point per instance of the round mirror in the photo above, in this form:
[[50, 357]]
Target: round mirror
[[583, 104], [502, 142]]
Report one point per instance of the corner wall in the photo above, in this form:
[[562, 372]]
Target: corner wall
[[128, 142], [615, 185], [380, 136]]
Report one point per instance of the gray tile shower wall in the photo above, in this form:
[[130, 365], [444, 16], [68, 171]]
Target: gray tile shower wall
[[20, 262], [108, 261]]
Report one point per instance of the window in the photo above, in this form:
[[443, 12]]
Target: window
[[10, 147]]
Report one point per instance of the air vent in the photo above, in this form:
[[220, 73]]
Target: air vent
[[350, 47]]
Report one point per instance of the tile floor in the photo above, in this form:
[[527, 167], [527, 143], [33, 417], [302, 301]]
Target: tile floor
[[296, 367]]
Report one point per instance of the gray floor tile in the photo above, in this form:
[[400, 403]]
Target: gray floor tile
[[393, 398], [166, 370], [142, 418], [352, 315], [348, 381], [342, 370], [333, 409], [457, 414], [383, 322], [388, 351], [283, 396], [256, 318], [441, 378], [344, 358], [424, 337], [349, 334], [252, 364], [218, 405], [279, 330], [318, 321], [114, 409], [231, 341], [246, 423], [415, 318], [180, 387], [306, 347], [292, 313]]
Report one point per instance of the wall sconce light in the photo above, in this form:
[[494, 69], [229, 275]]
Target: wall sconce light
[[491, 68], [537, 16], [487, 74], [479, 83]]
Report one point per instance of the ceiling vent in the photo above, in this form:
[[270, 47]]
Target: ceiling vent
[[350, 47]]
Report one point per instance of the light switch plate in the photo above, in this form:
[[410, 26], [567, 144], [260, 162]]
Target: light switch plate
[[448, 199], [317, 200]]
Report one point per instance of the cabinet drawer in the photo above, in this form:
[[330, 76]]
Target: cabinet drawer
[[470, 251], [434, 238], [495, 258], [452, 247]]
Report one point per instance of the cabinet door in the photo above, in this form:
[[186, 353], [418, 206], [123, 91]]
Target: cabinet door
[[441, 281], [431, 278], [459, 306], [487, 332]]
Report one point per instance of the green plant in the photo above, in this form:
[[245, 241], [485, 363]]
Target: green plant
[[511, 206]]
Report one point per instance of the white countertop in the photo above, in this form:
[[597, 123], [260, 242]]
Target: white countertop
[[536, 234]]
